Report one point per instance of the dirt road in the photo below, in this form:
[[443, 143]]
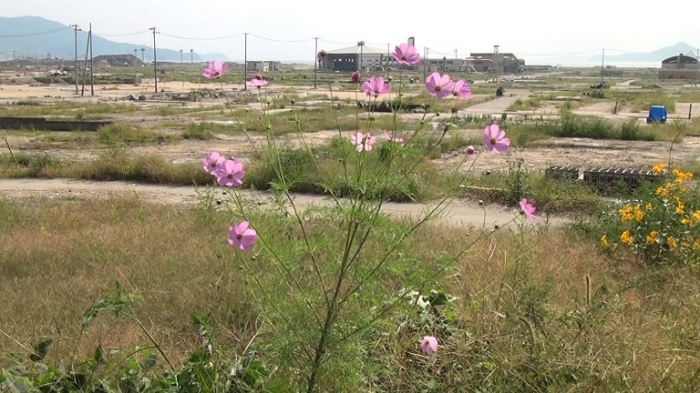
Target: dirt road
[[458, 213], [498, 105]]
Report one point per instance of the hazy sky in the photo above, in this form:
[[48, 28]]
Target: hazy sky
[[534, 30]]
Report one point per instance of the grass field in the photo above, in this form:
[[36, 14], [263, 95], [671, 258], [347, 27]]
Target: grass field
[[108, 291]]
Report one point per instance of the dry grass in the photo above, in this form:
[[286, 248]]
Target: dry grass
[[630, 329]]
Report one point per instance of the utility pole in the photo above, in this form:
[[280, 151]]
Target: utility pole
[[456, 57], [388, 56], [245, 61], [497, 61], [85, 66], [75, 33], [191, 56], [697, 58], [143, 50], [180, 56], [155, 60], [602, 68], [316, 60], [361, 44], [92, 66], [426, 51]]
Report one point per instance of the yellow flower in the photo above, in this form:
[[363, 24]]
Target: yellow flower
[[638, 213], [626, 213], [663, 192], [696, 245], [604, 240], [626, 238], [659, 168], [696, 215], [671, 243], [649, 207], [651, 239], [682, 176], [686, 221], [680, 209]]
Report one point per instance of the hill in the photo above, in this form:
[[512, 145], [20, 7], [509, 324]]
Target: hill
[[38, 37], [655, 56]]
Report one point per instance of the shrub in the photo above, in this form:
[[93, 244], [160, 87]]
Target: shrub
[[662, 225]]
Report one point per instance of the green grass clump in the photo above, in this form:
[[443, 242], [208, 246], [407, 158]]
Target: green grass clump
[[198, 131], [325, 170], [125, 134]]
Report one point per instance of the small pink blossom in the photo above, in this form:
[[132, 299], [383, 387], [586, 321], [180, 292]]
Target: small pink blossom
[[439, 86], [470, 150], [230, 174], [242, 236], [257, 81], [406, 54], [363, 141], [462, 89], [216, 69], [495, 139], [528, 209], [212, 161], [375, 86], [429, 345], [394, 138]]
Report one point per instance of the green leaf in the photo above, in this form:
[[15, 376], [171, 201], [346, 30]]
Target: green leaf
[[41, 349], [99, 354]]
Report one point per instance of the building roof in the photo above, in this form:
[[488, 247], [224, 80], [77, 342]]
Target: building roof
[[683, 59], [489, 54], [355, 50]]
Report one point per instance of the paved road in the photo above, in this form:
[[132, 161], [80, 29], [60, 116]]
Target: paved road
[[459, 213], [496, 106]]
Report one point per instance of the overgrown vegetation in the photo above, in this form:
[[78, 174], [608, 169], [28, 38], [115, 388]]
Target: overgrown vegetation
[[175, 266]]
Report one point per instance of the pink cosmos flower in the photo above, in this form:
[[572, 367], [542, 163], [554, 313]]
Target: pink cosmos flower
[[495, 139], [363, 141], [242, 236], [462, 89], [429, 345], [394, 138], [527, 209], [406, 54], [470, 150], [230, 174], [439, 86], [212, 161], [375, 86], [216, 69], [257, 81]]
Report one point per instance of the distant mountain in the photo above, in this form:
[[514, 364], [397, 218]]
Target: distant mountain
[[214, 56], [655, 56], [38, 37]]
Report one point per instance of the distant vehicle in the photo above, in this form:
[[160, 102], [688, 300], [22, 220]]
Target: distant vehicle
[[657, 114], [601, 85], [499, 92]]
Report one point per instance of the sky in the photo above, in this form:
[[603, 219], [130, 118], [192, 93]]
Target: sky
[[536, 30]]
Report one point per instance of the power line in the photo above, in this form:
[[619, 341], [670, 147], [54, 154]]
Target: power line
[[276, 40], [203, 38], [560, 54], [39, 33], [121, 35]]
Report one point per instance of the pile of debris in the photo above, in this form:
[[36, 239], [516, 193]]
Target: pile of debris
[[604, 179], [117, 61]]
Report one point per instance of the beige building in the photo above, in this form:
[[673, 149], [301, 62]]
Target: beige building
[[680, 67], [499, 63], [263, 66]]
